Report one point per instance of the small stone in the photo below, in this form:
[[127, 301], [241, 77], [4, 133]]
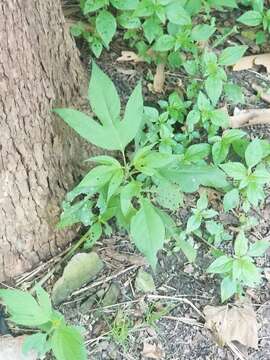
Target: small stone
[[144, 282], [80, 270], [111, 295], [11, 349]]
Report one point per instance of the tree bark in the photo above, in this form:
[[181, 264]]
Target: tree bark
[[39, 156]]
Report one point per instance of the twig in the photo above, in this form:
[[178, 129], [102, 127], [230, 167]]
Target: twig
[[102, 281], [184, 320], [174, 298]]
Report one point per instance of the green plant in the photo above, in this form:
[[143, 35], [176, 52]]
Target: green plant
[[248, 180], [128, 191], [239, 271], [53, 334], [258, 16], [121, 328]]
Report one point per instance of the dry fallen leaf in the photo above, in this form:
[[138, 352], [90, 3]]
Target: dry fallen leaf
[[151, 351], [129, 56], [250, 117], [159, 78], [248, 62], [236, 323]]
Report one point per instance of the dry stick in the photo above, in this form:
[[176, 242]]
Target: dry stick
[[70, 253], [184, 320], [174, 298], [102, 281]]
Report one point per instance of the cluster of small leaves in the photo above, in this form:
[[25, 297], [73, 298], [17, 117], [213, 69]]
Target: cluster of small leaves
[[161, 26], [53, 334]]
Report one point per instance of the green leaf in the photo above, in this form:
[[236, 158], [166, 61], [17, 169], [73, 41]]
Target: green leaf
[[177, 14], [93, 5], [254, 153], [250, 18], [258, 248], [96, 47], [202, 203], [128, 192], [94, 233], [241, 244], [228, 288], [194, 222], [250, 275], [133, 117], [190, 177], [188, 250], [214, 87], [97, 177], [115, 183], [37, 342], [106, 26], [197, 152], [111, 134], [105, 160], [193, 118], [164, 43], [152, 29], [220, 152], [148, 232], [234, 94], [222, 264], [67, 344], [24, 309], [105, 104], [202, 32], [231, 200], [125, 4], [232, 135], [220, 118], [254, 193], [232, 54], [169, 195], [235, 170]]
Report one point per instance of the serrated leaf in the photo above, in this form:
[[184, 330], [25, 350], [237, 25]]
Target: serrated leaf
[[202, 32], [125, 4], [228, 288], [258, 248], [189, 251], [220, 152], [93, 5], [148, 232], [241, 244], [220, 118], [169, 195], [24, 309], [254, 153], [105, 160], [221, 265], [97, 177], [235, 170], [231, 200], [164, 43], [232, 54], [214, 87], [37, 342], [197, 152], [193, 223], [177, 14], [250, 18], [106, 26], [190, 177], [67, 344], [115, 183], [127, 193]]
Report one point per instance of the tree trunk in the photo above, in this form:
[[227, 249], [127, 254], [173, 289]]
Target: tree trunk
[[39, 69]]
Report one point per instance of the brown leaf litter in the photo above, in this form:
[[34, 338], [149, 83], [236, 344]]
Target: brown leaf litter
[[248, 62], [250, 117], [233, 323]]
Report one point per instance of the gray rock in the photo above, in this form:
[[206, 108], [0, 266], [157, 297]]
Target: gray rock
[[80, 270], [11, 349]]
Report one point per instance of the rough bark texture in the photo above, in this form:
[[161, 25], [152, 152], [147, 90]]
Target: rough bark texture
[[39, 68]]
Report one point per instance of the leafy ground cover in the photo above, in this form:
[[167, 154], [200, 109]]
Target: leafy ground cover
[[178, 177]]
